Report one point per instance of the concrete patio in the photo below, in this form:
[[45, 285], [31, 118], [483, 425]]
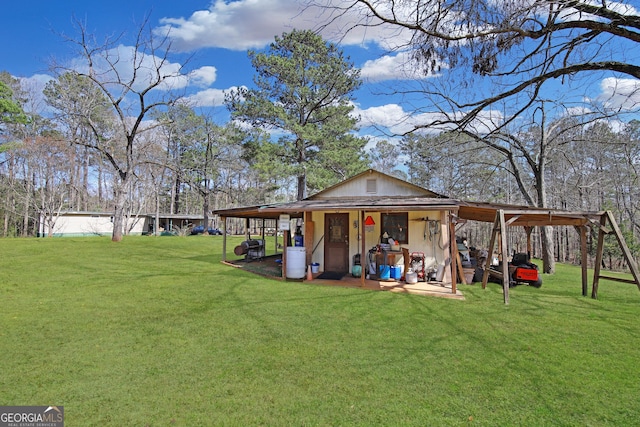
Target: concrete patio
[[268, 267]]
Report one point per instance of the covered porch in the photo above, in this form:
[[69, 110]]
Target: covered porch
[[270, 267], [337, 232]]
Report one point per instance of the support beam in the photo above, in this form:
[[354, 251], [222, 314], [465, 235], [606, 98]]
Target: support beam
[[492, 243], [512, 220], [224, 238], [499, 230], [453, 249], [285, 243], [625, 249], [599, 251], [505, 263], [583, 258], [364, 261], [309, 228]]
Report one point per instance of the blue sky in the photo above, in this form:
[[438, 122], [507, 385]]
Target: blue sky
[[218, 34]]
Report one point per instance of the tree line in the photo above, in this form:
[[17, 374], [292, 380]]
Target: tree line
[[103, 140]]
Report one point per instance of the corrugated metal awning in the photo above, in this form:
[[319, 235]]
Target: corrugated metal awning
[[385, 204]]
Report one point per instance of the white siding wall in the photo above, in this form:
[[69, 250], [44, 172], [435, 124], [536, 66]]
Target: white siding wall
[[436, 249], [88, 225], [383, 186]]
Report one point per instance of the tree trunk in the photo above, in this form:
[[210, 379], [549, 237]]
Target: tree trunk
[[118, 214], [205, 212], [27, 206], [302, 186], [175, 206], [85, 180], [548, 261]]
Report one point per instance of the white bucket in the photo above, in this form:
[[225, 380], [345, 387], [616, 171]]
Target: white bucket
[[296, 262], [315, 267], [411, 277]]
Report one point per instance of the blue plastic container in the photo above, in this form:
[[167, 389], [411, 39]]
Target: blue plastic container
[[396, 272], [384, 272]]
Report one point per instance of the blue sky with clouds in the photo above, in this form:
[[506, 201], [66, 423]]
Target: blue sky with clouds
[[217, 34]]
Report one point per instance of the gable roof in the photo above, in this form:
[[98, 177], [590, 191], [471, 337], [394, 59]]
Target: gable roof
[[392, 195], [384, 185], [397, 195]]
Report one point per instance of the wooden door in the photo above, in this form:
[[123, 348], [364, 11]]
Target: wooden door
[[336, 242]]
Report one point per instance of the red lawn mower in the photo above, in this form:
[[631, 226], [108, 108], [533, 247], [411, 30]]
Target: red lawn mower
[[521, 272]]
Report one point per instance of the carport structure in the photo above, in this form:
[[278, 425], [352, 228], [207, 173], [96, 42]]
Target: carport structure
[[504, 216], [356, 213]]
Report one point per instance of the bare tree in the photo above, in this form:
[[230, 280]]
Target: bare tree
[[518, 45], [135, 81], [49, 175], [496, 60]]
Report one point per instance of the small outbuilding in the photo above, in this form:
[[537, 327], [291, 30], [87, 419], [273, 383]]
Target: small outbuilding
[[381, 225], [80, 224]]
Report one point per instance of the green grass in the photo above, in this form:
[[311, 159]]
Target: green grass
[[155, 331]]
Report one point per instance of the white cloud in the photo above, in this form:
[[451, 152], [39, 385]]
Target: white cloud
[[33, 86], [205, 98], [384, 115], [36, 80], [572, 14], [398, 67], [253, 24], [117, 65], [397, 121], [384, 68], [394, 119], [203, 76], [236, 25], [620, 94]]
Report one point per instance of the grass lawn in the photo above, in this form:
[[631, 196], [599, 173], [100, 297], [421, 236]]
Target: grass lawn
[[155, 331]]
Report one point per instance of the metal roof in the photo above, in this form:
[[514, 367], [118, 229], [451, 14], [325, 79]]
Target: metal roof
[[382, 204], [526, 216], [515, 215], [428, 200]]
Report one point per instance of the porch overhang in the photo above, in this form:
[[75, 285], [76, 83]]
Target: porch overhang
[[502, 215], [525, 216], [297, 209]]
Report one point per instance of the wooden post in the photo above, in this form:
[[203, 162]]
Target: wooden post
[[625, 249], [598, 263], [309, 236], [499, 229], [453, 249], [285, 235], [599, 250], [505, 263], [363, 264], [224, 238], [492, 243], [583, 258]]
